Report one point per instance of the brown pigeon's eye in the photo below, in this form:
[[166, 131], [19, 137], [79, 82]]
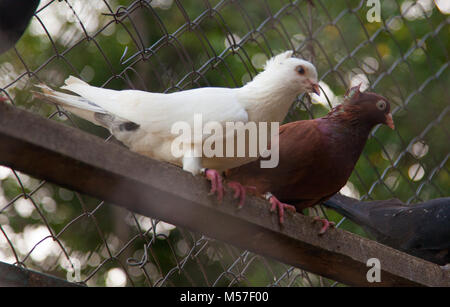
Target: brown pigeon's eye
[[381, 105], [301, 70]]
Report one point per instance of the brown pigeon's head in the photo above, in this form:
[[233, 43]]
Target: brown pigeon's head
[[371, 108]]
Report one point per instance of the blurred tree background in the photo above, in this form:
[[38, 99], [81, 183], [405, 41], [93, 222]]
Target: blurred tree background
[[169, 45]]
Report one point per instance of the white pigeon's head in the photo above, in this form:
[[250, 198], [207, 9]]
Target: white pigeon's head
[[297, 74]]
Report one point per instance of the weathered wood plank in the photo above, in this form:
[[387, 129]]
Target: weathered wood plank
[[79, 161]]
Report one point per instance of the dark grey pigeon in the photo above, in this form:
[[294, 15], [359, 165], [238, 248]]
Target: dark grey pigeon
[[421, 229]]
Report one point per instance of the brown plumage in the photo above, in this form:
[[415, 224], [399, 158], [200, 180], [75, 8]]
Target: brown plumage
[[316, 157]]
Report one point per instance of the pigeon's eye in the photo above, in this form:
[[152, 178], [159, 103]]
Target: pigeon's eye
[[301, 70], [381, 105]]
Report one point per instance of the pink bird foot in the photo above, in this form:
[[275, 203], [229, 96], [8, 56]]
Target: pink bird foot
[[216, 183], [278, 204], [325, 224], [240, 192]]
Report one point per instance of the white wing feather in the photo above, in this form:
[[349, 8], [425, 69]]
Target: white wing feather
[[157, 112]]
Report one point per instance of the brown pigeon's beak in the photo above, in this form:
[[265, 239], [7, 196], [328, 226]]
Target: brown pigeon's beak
[[389, 121], [315, 88]]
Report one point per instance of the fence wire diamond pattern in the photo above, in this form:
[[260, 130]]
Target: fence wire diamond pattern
[[171, 45]]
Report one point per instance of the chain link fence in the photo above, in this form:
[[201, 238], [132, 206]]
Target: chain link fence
[[172, 45]]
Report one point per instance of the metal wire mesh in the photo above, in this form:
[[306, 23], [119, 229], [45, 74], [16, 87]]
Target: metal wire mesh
[[170, 45]]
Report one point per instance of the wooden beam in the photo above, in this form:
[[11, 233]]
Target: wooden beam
[[14, 276], [74, 159]]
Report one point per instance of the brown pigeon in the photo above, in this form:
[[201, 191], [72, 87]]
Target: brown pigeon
[[317, 156]]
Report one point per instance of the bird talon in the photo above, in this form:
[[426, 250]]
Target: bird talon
[[325, 224], [235, 187], [239, 192], [277, 204], [216, 183], [290, 208]]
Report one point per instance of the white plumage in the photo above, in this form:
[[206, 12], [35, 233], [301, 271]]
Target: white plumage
[[143, 120]]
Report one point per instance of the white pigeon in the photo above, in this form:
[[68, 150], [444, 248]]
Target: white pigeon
[[143, 120]]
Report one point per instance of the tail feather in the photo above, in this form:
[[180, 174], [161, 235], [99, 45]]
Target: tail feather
[[67, 99], [90, 93], [72, 103], [349, 207], [73, 80], [84, 108]]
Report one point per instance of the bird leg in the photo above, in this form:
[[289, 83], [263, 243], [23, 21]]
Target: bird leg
[[240, 191], [325, 224], [278, 204], [216, 182]]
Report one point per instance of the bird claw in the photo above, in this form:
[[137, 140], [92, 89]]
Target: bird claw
[[216, 183], [281, 207], [325, 224], [240, 191]]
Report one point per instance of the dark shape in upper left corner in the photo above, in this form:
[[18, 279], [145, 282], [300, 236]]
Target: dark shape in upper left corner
[[15, 15]]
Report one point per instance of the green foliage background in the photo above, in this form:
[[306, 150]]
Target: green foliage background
[[224, 43]]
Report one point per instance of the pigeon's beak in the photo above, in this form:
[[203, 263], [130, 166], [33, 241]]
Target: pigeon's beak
[[389, 121], [315, 88]]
